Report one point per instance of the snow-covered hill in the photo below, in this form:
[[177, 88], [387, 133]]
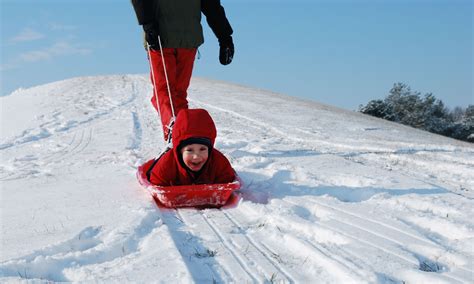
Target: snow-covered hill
[[330, 195]]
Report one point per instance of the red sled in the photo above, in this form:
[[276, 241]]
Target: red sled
[[196, 195]]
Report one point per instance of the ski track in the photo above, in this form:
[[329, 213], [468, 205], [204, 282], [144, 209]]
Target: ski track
[[195, 254], [38, 164], [385, 229], [214, 235], [336, 263], [49, 128], [261, 258], [54, 132], [271, 250], [355, 222]]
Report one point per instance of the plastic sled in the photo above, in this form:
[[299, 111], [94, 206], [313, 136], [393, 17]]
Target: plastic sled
[[196, 195]]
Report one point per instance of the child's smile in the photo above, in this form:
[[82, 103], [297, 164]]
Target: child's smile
[[195, 156]]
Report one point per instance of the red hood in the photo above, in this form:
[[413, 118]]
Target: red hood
[[193, 123]]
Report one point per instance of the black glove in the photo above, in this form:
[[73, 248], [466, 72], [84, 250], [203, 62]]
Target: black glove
[[226, 52], [151, 35]]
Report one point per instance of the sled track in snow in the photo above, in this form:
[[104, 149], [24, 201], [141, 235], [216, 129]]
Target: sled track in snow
[[329, 260], [78, 143], [353, 223], [255, 257], [136, 139], [250, 258], [338, 262], [261, 248], [49, 128], [53, 131], [192, 249], [85, 139], [235, 253]]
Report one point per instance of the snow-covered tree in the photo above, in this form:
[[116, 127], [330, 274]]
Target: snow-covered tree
[[376, 108], [464, 129], [429, 113]]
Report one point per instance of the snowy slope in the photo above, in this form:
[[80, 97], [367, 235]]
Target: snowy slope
[[330, 196]]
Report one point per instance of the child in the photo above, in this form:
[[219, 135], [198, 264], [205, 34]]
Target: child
[[193, 160]]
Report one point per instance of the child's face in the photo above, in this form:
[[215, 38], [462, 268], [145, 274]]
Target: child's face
[[195, 156]]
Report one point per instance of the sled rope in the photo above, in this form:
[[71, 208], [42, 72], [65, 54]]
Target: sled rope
[[167, 82]]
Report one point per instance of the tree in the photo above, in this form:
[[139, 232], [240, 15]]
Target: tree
[[376, 108], [404, 106], [457, 114]]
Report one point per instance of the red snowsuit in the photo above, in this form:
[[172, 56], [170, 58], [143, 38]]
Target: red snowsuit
[[170, 169], [179, 66]]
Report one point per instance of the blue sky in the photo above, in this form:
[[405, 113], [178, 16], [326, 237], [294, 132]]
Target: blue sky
[[339, 52]]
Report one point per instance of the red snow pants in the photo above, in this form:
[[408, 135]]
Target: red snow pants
[[179, 64]]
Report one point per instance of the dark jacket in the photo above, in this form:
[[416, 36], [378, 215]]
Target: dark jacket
[[179, 21], [170, 170]]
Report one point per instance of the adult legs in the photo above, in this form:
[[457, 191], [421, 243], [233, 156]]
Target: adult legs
[[179, 64]]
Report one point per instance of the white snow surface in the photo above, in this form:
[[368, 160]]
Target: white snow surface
[[329, 195]]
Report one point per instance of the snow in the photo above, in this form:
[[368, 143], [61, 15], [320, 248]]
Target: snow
[[329, 196]]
